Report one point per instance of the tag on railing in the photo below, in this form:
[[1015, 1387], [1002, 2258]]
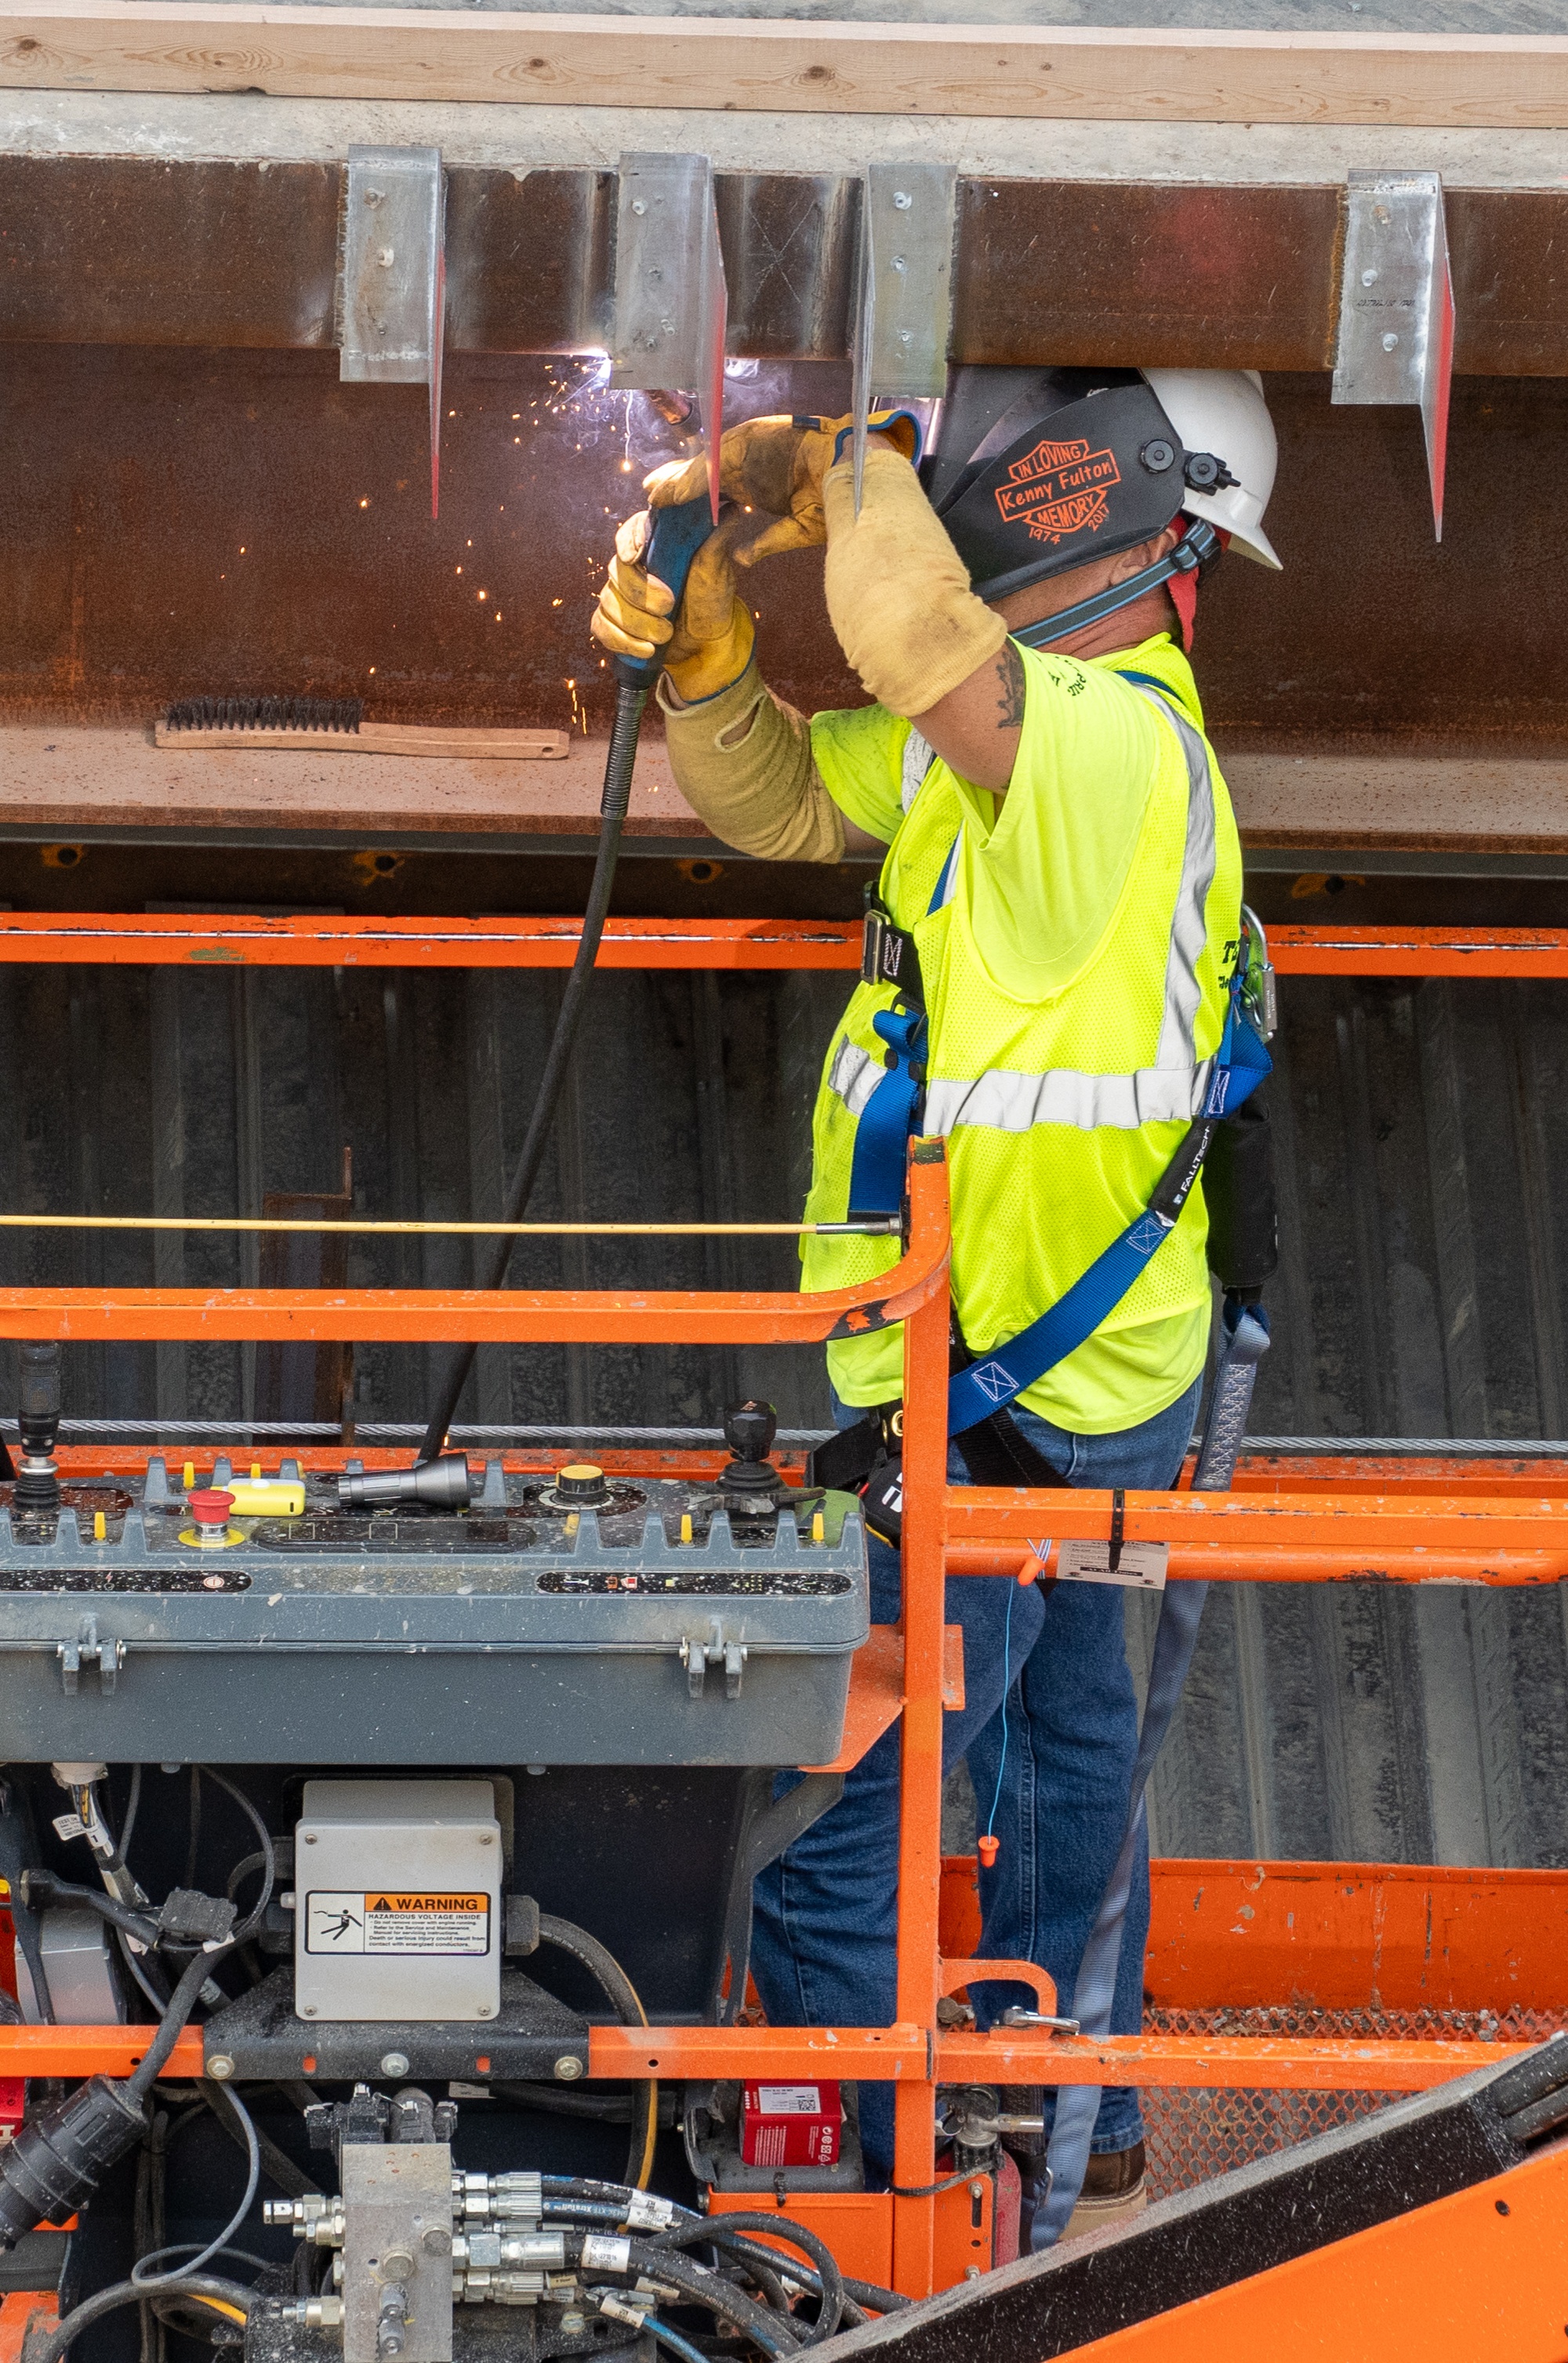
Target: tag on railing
[[1142, 1565]]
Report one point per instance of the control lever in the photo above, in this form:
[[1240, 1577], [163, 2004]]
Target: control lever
[[38, 1478], [749, 1428]]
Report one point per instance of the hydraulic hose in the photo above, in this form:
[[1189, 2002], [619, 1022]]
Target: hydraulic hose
[[675, 536], [622, 1996], [229, 2297], [775, 2333], [727, 2232]]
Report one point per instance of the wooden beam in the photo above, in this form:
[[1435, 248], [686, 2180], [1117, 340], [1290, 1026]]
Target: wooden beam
[[1474, 81]]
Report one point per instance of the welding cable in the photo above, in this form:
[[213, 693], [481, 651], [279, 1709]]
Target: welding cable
[[622, 1996], [727, 2232], [613, 805], [774, 2333], [226, 2297]]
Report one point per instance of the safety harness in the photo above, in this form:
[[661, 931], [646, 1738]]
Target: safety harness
[[981, 1387]]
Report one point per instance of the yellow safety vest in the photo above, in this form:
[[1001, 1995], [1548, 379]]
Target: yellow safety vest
[[1075, 974]]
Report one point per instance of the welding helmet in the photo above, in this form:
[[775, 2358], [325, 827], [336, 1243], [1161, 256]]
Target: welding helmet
[[1034, 472]]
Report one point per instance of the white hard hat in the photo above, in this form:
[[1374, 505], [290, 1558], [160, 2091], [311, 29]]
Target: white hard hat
[[1224, 411]]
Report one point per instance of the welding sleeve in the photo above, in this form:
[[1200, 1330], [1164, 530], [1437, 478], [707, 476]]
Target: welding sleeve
[[743, 762], [898, 594]]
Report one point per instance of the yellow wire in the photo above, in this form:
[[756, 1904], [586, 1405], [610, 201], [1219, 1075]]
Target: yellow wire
[[542, 1230], [651, 2087], [218, 2305]]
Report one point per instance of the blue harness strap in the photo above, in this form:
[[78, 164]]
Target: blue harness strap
[[894, 1110], [1239, 1066]]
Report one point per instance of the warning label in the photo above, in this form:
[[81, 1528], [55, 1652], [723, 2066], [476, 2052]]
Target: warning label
[[396, 1921]]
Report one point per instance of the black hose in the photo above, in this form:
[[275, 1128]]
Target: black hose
[[622, 1996], [258, 1913], [727, 2231], [105, 2300], [630, 703], [182, 2002], [43, 1887], [774, 2334], [603, 2108]]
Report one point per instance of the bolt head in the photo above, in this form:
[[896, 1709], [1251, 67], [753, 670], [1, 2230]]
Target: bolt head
[[394, 2063], [385, 256], [901, 200], [220, 2067], [568, 2068], [1369, 278], [435, 2242], [638, 207], [1389, 340], [396, 2265]]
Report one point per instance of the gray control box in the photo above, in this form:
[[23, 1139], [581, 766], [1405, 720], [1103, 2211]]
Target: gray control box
[[398, 1911]]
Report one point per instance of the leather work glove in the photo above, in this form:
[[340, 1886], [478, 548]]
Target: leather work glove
[[708, 644], [776, 465]]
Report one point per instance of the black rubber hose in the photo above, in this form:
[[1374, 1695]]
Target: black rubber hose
[[43, 1887], [727, 2231], [871, 2299], [774, 2333], [105, 2300], [622, 1996], [258, 1913], [182, 2002], [613, 805]]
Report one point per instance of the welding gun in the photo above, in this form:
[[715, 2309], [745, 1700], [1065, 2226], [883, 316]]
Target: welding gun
[[675, 536]]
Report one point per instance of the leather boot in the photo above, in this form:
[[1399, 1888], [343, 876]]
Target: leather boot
[[1115, 2190]]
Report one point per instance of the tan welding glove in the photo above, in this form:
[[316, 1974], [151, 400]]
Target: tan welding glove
[[708, 643], [775, 465], [897, 591]]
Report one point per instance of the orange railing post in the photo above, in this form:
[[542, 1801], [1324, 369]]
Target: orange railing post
[[920, 1780]]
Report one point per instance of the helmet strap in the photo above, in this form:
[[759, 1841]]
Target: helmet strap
[[1180, 568]]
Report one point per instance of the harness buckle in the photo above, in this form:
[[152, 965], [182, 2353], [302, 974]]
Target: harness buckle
[[883, 946]]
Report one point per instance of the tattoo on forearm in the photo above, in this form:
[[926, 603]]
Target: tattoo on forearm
[[1010, 681]]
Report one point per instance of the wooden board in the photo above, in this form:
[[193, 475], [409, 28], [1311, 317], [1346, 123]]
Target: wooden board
[[1062, 71], [68, 779]]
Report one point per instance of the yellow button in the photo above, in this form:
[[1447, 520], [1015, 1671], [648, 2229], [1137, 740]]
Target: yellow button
[[267, 1497]]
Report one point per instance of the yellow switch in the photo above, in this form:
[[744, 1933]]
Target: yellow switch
[[267, 1497], [685, 1526], [819, 1528], [190, 1479], [255, 1469], [100, 1527]]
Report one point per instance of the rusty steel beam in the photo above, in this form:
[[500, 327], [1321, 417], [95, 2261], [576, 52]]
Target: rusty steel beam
[[119, 249]]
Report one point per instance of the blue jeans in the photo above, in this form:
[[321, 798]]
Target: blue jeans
[[1050, 1727]]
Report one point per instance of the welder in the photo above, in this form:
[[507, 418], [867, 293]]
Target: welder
[[1051, 955]]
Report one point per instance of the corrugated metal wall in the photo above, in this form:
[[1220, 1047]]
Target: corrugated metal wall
[[1420, 1129]]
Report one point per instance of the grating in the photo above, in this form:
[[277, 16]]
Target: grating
[[1192, 2136]]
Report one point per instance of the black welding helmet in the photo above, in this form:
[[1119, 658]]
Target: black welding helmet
[[1037, 471]]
